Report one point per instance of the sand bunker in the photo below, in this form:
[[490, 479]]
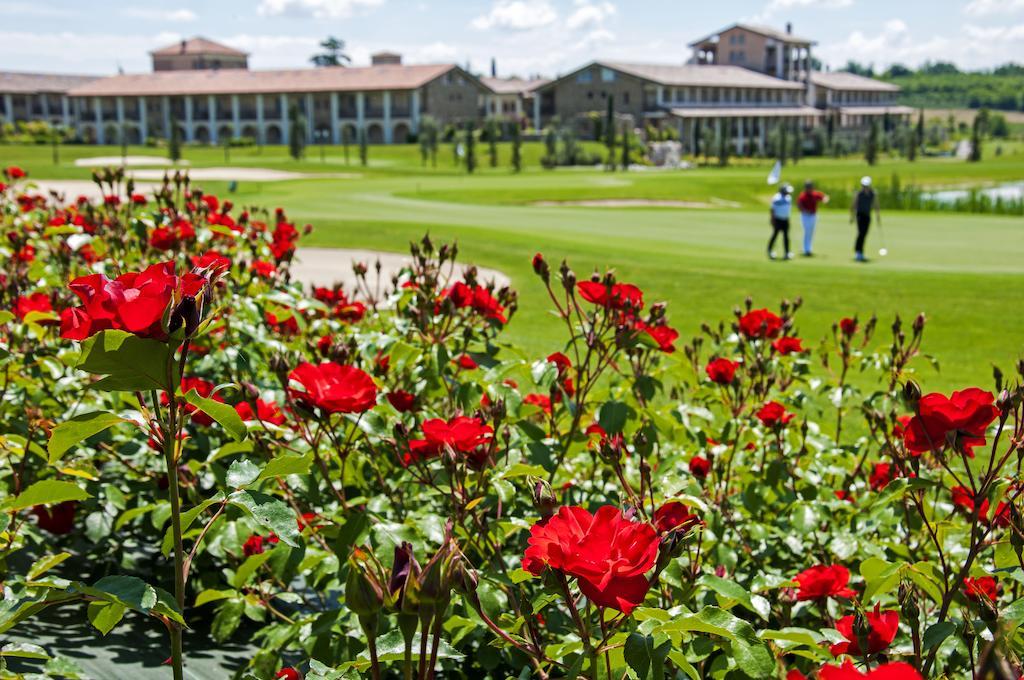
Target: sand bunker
[[239, 174], [105, 161], [327, 266]]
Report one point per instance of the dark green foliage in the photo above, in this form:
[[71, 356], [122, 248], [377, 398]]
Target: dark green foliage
[[871, 144], [333, 53], [296, 133], [364, 148], [470, 148], [517, 149], [174, 141]]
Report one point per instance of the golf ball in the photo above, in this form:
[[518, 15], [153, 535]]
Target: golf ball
[[883, 252]]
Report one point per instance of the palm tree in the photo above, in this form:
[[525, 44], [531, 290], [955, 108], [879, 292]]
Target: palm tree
[[333, 54]]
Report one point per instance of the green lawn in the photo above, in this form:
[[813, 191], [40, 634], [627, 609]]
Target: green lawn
[[963, 271]]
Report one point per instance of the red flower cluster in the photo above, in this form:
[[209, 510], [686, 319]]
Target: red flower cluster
[[700, 467], [616, 296], [283, 239], [848, 326], [882, 628], [58, 519], [477, 298], [256, 544], [773, 415], [823, 581], [402, 401], [787, 345], [169, 237], [965, 415], [266, 411], [607, 552], [721, 371], [981, 587], [134, 302], [665, 336], [461, 434], [759, 324], [334, 388], [36, 302], [896, 670]]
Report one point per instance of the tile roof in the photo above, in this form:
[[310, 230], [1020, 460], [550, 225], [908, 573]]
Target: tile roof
[[766, 31], [197, 45], [709, 75], [840, 80], [243, 81], [746, 112], [16, 82], [513, 85]]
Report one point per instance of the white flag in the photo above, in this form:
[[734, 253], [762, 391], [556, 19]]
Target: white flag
[[776, 174]]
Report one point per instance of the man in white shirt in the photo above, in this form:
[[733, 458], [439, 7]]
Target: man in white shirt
[[782, 204]]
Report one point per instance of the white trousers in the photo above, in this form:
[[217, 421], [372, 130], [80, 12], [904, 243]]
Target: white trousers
[[809, 220]]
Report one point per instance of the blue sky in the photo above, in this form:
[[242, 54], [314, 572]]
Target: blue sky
[[524, 36]]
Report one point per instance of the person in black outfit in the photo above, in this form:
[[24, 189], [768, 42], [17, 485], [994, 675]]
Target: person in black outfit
[[782, 204], [864, 201]]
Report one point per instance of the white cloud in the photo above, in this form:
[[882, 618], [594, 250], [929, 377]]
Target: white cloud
[[516, 15], [981, 8], [30, 9], [318, 9], [171, 15], [589, 14], [435, 52]]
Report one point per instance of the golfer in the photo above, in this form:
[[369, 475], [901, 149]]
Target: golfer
[[807, 202], [782, 204], [864, 201]]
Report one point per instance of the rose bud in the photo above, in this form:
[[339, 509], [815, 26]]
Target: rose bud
[[402, 584], [364, 592], [912, 394], [544, 498], [908, 603], [919, 323], [186, 312]]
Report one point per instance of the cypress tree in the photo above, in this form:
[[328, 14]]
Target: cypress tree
[[977, 131], [627, 142], [296, 132], [871, 144], [345, 142], [609, 132], [364, 148], [517, 149], [470, 148], [174, 141], [492, 141]]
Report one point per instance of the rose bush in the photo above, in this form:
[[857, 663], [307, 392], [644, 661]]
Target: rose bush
[[371, 482]]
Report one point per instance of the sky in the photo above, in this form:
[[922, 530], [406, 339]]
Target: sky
[[525, 37]]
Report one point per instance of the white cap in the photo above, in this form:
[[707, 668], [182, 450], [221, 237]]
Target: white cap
[[865, 181]]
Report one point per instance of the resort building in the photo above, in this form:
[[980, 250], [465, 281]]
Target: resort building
[[854, 100], [196, 54], [734, 101], [765, 50], [384, 101], [510, 98], [27, 97]]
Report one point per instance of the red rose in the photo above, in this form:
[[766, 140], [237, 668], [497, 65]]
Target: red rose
[[675, 515], [981, 587], [262, 268], [760, 324], [461, 434], [721, 371], [477, 298], [795, 675], [349, 311], [133, 302], [882, 630], [773, 414], [700, 467], [787, 345], [541, 401], [58, 519], [267, 412], [619, 296], [138, 199], [964, 500], [402, 401], [896, 670], [848, 326], [881, 475], [287, 673], [965, 414], [466, 362], [36, 302], [664, 336], [823, 581], [334, 388], [254, 545], [13, 172], [212, 261], [607, 552]]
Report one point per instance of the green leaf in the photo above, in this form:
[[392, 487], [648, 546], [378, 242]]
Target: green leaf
[[24, 650], [936, 633], [211, 595], [45, 492], [222, 413], [749, 652], [730, 591], [130, 591], [612, 416], [105, 615], [249, 567], [45, 564], [226, 621], [78, 429], [242, 473], [286, 464], [880, 576], [270, 512], [646, 659], [187, 518], [129, 362]]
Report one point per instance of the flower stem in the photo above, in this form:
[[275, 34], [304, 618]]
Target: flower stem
[[170, 442]]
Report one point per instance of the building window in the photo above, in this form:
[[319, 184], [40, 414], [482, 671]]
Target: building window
[[607, 75], [741, 39], [584, 77]]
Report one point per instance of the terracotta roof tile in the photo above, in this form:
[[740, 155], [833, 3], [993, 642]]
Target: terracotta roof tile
[[840, 80], [703, 75], [197, 45], [513, 85], [242, 81], [15, 82]]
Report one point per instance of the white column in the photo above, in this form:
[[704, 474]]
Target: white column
[[119, 104], [45, 100], [8, 108], [261, 136], [236, 118], [335, 132], [387, 117], [761, 124], [211, 117], [284, 117], [101, 136], [360, 111], [414, 112], [741, 123], [188, 118], [778, 60], [536, 111], [165, 104], [65, 112], [143, 120], [309, 118]]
